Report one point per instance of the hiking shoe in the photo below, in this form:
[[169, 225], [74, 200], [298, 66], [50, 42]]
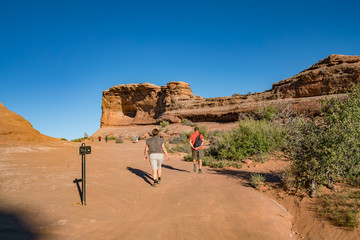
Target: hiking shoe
[[155, 183], [194, 168], [159, 180], [200, 172]]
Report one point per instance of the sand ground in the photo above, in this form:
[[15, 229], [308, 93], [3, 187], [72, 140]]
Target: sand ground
[[39, 200]]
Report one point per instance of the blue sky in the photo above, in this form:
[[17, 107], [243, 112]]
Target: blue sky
[[57, 57]]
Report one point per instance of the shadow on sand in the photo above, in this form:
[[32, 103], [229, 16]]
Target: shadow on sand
[[140, 173], [245, 176], [13, 226], [175, 169]]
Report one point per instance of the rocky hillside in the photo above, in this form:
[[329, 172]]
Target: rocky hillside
[[138, 104], [13, 127]]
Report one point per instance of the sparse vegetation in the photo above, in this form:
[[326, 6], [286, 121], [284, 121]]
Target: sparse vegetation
[[164, 124], [119, 140], [256, 180], [340, 208], [187, 122], [79, 139], [111, 138]]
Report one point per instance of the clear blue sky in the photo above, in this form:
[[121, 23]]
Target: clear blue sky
[[57, 57]]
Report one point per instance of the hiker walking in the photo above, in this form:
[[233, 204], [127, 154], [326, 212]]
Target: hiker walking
[[196, 141], [106, 138], [155, 148]]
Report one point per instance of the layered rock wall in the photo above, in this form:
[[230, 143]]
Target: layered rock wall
[[146, 103]]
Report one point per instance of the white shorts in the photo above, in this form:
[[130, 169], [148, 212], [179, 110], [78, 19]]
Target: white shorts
[[156, 159]]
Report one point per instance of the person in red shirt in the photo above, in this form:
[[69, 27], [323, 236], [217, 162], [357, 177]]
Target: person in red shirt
[[197, 149]]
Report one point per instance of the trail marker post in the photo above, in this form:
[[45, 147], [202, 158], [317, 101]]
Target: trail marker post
[[83, 150]]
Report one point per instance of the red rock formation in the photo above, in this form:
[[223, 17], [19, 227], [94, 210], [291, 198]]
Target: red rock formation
[[335, 73], [149, 104], [13, 127]]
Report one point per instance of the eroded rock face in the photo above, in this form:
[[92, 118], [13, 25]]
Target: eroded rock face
[[147, 103], [141, 103], [335, 73]]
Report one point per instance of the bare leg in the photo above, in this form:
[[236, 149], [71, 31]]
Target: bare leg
[[154, 174], [200, 163], [159, 173]]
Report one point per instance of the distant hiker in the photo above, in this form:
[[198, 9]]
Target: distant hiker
[[106, 138], [155, 148], [196, 142], [99, 138]]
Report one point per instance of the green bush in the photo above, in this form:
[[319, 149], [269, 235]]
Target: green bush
[[119, 141], [327, 148], [182, 147], [250, 138], [164, 124], [111, 138], [188, 158], [181, 138], [203, 130], [267, 113]]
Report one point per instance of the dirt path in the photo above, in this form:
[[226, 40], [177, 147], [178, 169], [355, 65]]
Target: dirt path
[[40, 201]]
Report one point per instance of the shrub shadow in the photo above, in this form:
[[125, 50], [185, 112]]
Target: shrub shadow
[[13, 226], [245, 176], [140, 173]]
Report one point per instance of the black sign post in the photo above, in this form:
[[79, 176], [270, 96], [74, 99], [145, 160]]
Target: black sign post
[[83, 150]]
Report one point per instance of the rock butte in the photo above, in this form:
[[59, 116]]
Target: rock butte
[[141, 104]]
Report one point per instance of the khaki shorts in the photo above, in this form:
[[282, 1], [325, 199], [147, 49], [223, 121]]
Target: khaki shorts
[[156, 159], [198, 154]]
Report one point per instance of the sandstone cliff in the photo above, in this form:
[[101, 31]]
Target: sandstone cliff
[[146, 103], [14, 127]]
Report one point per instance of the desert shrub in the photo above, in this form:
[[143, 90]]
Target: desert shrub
[[63, 139], [182, 147], [79, 139], [111, 138], [167, 147], [268, 113], [261, 157], [340, 208], [256, 180], [187, 122], [251, 137], [327, 148], [119, 140], [188, 158], [203, 130], [181, 138], [164, 124]]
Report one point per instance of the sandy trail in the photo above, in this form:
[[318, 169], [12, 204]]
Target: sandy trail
[[40, 201]]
